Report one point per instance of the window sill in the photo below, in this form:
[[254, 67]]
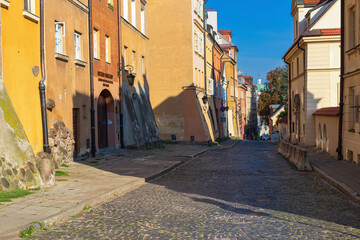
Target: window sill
[[5, 4], [30, 16], [97, 59], [80, 63], [352, 130], [61, 57]]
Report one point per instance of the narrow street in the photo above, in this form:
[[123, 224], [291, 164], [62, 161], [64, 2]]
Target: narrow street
[[249, 192]]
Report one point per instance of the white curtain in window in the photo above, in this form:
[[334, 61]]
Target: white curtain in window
[[95, 44], [133, 12], [126, 9], [142, 16], [58, 38], [77, 46]]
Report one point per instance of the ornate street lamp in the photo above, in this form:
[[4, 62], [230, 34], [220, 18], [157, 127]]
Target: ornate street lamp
[[131, 75]]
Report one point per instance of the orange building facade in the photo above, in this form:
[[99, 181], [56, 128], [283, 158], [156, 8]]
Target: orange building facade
[[107, 82]]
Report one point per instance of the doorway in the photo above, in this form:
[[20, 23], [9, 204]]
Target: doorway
[[104, 107]]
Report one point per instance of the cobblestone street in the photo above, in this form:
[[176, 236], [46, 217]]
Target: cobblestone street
[[248, 192]]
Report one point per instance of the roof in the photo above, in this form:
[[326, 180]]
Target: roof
[[330, 111]]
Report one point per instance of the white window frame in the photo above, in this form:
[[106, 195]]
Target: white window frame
[[133, 12], [29, 6], [96, 43], [142, 19], [107, 49], [126, 9], [59, 36], [133, 60], [77, 43], [125, 55]]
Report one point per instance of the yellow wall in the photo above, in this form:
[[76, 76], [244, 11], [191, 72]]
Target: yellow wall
[[170, 62], [21, 52], [135, 40]]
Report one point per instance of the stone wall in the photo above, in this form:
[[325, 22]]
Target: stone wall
[[17, 160], [61, 143]]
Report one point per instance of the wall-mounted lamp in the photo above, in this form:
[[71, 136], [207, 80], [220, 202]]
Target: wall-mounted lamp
[[131, 75], [205, 99]]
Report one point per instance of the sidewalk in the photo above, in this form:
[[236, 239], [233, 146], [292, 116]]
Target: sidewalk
[[343, 175], [92, 181]]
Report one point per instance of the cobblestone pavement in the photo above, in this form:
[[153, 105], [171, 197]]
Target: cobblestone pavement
[[249, 192]]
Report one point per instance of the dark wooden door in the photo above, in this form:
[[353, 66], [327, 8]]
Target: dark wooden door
[[102, 122]]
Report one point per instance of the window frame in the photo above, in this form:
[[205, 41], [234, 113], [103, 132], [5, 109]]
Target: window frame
[[133, 12], [107, 49], [78, 45], [96, 44], [126, 10], [59, 37]]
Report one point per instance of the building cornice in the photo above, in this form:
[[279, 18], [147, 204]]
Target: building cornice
[[123, 20]]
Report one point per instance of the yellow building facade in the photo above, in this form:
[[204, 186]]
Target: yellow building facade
[[177, 70], [21, 52]]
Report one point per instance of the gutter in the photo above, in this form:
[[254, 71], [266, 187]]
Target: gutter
[[91, 68], [341, 116], [120, 76], [42, 87], [205, 60], [305, 83]]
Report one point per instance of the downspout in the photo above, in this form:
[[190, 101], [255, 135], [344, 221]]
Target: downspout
[[42, 87], [91, 68], [205, 61], [305, 83], [120, 75], [341, 110], [289, 99]]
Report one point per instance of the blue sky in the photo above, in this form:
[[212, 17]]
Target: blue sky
[[262, 30]]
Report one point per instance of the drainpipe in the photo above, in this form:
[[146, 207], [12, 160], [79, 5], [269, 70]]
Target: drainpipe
[[289, 99], [91, 68], [205, 61], [305, 82], [340, 147], [42, 87], [120, 75]]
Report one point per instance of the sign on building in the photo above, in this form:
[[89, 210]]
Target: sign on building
[[210, 87]]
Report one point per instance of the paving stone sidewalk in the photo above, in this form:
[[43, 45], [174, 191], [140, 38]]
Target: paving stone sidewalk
[[343, 175], [94, 180]]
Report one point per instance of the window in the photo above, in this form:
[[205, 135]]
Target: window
[[352, 27], [77, 40], [297, 66], [320, 134], [107, 49], [133, 60], [196, 42], [59, 35], [199, 7], [125, 56], [133, 13], [110, 4], [29, 5], [96, 44], [142, 17], [352, 109], [143, 65], [126, 9]]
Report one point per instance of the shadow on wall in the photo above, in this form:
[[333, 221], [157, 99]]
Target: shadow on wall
[[140, 127], [187, 118], [301, 120]]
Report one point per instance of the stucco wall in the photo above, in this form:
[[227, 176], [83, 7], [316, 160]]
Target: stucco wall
[[21, 37], [67, 82], [327, 137]]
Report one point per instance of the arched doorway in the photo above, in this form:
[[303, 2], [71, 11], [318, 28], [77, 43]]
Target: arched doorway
[[105, 105]]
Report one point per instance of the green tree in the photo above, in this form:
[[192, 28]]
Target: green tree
[[275, 92]]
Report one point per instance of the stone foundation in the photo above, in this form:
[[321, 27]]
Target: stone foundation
[[61, 143]]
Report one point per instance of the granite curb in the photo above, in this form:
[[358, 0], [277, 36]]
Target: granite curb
[[337, 184]]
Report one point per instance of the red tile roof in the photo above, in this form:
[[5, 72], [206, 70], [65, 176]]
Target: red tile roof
[[331, 111], [329, 32]]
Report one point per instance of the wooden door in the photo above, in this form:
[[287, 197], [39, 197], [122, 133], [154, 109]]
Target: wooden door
[[102, 122]]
